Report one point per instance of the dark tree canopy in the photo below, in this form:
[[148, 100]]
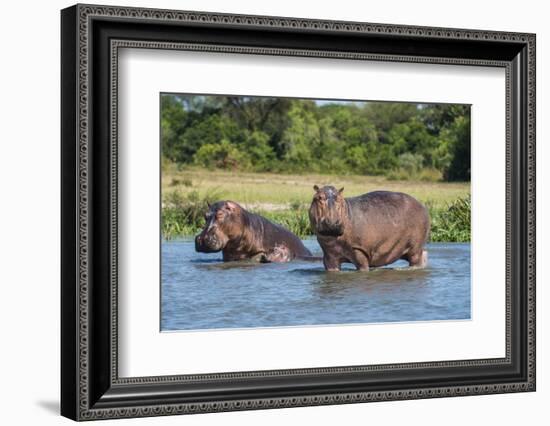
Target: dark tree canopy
[[298, 135]]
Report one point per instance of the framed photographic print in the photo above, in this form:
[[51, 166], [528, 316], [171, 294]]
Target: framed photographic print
[[263, 212]]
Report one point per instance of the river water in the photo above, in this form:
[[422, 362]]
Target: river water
[[199, 291]]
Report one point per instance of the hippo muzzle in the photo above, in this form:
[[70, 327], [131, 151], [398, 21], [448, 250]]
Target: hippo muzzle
[[207, 243], [332, 229]]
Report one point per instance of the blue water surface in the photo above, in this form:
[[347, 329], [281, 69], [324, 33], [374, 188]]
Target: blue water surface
[[199, 291]]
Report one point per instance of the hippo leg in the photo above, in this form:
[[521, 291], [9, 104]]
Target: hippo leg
[[361, 261], [424, 258], [418, 259], [332, 264]]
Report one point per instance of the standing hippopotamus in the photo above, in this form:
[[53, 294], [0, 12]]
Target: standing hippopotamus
[[372, 229], [243, 235]]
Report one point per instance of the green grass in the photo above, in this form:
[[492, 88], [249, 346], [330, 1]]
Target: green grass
[[285, 199], [453, 223], [283, 189], [296, 221], [183, 214]]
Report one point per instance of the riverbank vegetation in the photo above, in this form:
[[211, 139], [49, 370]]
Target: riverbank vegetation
[[285, 199], [267, 153], [426, 142]]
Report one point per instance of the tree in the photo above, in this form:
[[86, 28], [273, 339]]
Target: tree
[[385, 115], [267, 115], [298, 135], [300, 139], [260, 153], [209, 131], [222, 155], [459, 135], [413, 137], [173, 122]]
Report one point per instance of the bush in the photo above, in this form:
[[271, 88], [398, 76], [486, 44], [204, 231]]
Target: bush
[[425, 175], [410, 168], [398, 174], [185, 182], [261, 156], [430, 175], [184, 214], [411, 163], [296, 221], [223, 155], [453, 223], [301, 135]]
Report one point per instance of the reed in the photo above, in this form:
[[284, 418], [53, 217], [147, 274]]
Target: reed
[[183, 216], [453, 222]]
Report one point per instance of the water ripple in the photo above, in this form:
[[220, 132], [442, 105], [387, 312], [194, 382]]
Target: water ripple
[[200, 291]]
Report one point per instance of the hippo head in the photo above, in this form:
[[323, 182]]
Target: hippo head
[[223, 223], [328, 211]]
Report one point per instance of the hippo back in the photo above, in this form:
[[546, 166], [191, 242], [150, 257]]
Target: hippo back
[[386, 212], [275, 234]]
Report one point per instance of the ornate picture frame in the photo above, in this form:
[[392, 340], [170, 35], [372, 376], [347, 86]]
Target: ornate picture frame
[[90, 39]]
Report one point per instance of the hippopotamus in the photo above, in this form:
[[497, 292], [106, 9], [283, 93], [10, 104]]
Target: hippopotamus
[[242, 235], [373, 229]]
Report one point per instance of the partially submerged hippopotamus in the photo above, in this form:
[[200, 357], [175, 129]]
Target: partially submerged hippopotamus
[[372, 229], [242, 235]]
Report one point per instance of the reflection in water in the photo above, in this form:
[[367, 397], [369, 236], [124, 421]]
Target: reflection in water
[[201, 292], [377, 280], [219, 265]]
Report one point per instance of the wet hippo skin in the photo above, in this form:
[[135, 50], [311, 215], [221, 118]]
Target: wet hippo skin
[[373, 229], [242, 235]]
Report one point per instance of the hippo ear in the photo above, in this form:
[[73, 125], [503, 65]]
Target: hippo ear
[[231, 206], [315, 187], [341, 190]]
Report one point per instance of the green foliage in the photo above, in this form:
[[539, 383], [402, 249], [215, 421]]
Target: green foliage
[[429, 175], [173, 123], [453, 223], [410, 166], [223, 155], [399, 140], [385, 115], [185, 182], [411, 163], [296, 221], [184, 214], [458, 134], [413, 138], [260, 154]]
